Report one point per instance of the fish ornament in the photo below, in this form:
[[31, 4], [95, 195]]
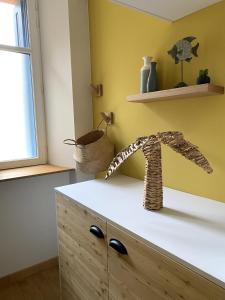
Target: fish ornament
[[182, 51]]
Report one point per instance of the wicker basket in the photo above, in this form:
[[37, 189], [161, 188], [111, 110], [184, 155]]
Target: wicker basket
[[93, 152]]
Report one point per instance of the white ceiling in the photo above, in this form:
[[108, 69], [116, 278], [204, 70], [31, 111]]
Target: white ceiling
[[168, 9]]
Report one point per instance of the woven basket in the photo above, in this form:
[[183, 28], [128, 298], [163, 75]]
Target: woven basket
[[93, 152]]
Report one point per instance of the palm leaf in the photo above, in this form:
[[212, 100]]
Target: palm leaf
[[176, 141], [125, 154]]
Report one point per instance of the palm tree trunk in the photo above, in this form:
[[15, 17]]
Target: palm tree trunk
[[153, 192]]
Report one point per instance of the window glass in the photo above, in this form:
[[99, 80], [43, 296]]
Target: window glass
[[14, 23], [17, 121]]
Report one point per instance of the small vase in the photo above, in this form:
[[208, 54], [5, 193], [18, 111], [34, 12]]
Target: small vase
[[145, 70], [152, 78]]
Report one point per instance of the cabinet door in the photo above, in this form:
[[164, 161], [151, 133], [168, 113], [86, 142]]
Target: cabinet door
[[82, 255], [146, 274]]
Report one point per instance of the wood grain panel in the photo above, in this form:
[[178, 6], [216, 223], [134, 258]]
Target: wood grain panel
[[147, 274], [18, 173], [178, 93], [40, 286], [21, 275], [82, 256]]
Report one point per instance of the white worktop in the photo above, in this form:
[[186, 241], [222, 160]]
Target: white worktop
[[190, 229]]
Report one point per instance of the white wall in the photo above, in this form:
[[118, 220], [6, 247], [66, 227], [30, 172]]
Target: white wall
[[64, 30], [28, 221], [81, 65], [57, 77], [81, 70], [27, 208]]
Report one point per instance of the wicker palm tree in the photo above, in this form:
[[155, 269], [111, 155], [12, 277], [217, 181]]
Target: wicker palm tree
[[151, 147]]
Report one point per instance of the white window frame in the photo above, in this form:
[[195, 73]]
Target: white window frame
[[37, 82]]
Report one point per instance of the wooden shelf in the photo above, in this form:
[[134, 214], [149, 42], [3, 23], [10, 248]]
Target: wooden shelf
[[178, 93], [18, 173]]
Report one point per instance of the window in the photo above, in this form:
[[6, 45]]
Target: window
[[22, 138]]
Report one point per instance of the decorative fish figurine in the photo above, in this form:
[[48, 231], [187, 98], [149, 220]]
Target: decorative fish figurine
[[183, 50]]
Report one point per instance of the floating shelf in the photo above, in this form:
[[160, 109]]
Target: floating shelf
[[178, 93]]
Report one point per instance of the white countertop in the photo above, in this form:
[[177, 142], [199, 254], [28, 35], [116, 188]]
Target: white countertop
[[190, 229]]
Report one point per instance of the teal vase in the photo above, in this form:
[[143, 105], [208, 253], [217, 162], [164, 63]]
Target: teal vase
[[152, 78], [145, 70]]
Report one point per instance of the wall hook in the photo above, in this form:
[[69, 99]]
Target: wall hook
[[97, 90], [107, 117]]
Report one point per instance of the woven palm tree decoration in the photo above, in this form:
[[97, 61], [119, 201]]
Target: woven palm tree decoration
[[151, 147]]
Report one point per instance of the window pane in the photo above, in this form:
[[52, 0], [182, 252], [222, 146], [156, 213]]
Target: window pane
[[17, 122], [14, 23]]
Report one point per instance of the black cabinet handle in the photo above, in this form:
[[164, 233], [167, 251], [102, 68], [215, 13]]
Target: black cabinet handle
[[118, 246], [95, 230]]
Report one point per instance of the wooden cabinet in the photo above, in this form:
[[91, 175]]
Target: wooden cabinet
[[82, 255], [118, 265], [145, 274]]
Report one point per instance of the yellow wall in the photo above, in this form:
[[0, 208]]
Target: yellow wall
[[120, 37]]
